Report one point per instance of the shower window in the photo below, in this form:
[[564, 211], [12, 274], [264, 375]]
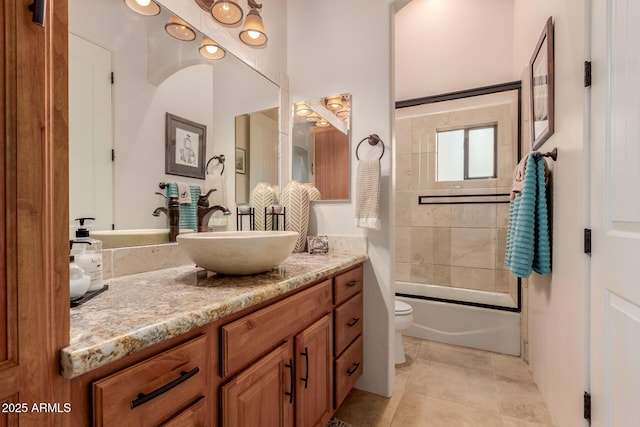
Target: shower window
[[467, 153]]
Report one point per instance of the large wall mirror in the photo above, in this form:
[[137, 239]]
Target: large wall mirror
[[320, 145], [117, 129]]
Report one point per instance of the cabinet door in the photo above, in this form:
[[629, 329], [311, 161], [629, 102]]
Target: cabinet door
[[34, 271], [314, 374], [193, 416], [262, 394]]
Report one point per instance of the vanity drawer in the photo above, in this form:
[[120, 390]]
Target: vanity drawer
[[154, 390], [348, 368], [348, 323], [247, 338], [347, 284], [193, 416]]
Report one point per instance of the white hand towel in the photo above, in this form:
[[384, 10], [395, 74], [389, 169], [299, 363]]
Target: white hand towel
[[184, 193], [368, 194], [218, 197]]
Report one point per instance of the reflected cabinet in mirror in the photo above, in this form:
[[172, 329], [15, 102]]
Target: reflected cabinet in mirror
[[126, 72], [321, 145]]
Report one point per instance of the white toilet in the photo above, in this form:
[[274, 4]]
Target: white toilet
[[404, 320]]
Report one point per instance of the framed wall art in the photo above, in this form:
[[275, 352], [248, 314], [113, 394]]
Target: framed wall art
[[541, 99], [185, 146]]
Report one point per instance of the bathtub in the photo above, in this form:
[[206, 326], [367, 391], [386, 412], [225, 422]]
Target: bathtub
[[465, 325]]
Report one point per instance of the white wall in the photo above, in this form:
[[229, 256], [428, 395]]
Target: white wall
[[449, 45], [557, 315], [355, 59]]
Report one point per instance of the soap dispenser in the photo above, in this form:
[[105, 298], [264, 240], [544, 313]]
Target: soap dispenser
[[87, 252]]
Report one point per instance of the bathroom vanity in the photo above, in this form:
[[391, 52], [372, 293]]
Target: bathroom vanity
[[181, 346]]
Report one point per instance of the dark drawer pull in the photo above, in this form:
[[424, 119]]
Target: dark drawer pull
[[352, 283], [353, 322], [354, 369], [305, 353], [144, 398], [290, 393]]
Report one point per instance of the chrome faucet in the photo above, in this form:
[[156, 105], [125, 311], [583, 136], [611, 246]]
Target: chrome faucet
[[205, 211], [173, 215]]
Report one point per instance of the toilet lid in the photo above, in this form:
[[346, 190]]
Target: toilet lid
[[403, 308]]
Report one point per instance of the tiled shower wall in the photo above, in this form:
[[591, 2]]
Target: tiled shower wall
[[459, 245]]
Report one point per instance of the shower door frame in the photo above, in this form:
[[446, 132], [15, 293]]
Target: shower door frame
[[468, 93]]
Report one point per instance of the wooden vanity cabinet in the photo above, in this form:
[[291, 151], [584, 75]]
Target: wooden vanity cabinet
[[285, 363], [348, 318]]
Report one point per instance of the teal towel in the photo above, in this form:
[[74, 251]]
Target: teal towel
[[528, 242], [188, 213]]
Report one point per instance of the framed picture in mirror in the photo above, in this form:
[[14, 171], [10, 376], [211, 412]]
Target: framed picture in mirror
[[541, 75], [185, 146], [241, 161]]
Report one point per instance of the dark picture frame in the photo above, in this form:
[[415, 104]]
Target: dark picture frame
[[185, 147], [241, 161], [541, 77]]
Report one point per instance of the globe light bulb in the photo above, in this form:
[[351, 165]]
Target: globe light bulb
[[143, 3]]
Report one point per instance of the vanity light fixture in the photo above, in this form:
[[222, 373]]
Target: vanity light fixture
[[313, 117], [334, 102], [322, 123], [210, 49], [143, 7], [179, 29], [252, 32], [343, 113], [302, 109], [227, 12]]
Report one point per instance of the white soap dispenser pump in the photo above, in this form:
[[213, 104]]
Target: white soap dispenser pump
[[88, 254]]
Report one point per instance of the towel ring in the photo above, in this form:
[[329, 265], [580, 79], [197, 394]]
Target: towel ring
[[373, 140], [220, 159]]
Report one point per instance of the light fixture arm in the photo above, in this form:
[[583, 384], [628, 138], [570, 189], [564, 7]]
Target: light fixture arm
[[254, 5]]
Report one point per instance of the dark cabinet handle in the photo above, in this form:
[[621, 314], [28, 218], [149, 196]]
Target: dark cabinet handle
[[144, 398], [305, 353], [354, 369], [38, 8], [352, 283], [290, 393], [353, 322]]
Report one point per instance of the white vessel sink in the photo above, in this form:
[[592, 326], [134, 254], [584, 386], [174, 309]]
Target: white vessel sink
[[123, 238], [238, 252]]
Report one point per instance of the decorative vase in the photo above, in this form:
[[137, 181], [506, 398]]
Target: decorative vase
[[276, 193], [314, 193], [295, 198], [261, 197]]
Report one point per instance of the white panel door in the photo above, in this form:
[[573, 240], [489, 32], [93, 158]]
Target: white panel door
[[263, 149], [90, 133], [615, 207]]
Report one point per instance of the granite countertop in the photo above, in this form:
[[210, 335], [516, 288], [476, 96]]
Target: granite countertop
[[140, 310]]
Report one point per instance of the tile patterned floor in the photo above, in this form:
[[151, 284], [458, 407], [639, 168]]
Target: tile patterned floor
[[443, 385]]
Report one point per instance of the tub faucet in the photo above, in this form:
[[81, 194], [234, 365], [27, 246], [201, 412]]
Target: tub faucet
[[173, 215], [205, 211]]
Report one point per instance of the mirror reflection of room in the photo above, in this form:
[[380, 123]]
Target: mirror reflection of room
[[320, 150], [153, 74]]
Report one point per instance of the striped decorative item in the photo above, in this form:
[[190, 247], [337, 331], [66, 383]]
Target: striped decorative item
[[261, 197], [188, 213], [295, 199], [314, 193]]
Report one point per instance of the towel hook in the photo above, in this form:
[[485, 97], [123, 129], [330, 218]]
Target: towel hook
[[553, 154], [373, 140], [220, 159]]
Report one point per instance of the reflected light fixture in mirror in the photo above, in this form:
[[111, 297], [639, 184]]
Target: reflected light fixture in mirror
[[210, 49], [143, 7], [179, 29], [322, 123], [253, 29], [302, 109], [227, 12], [334, 102]]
